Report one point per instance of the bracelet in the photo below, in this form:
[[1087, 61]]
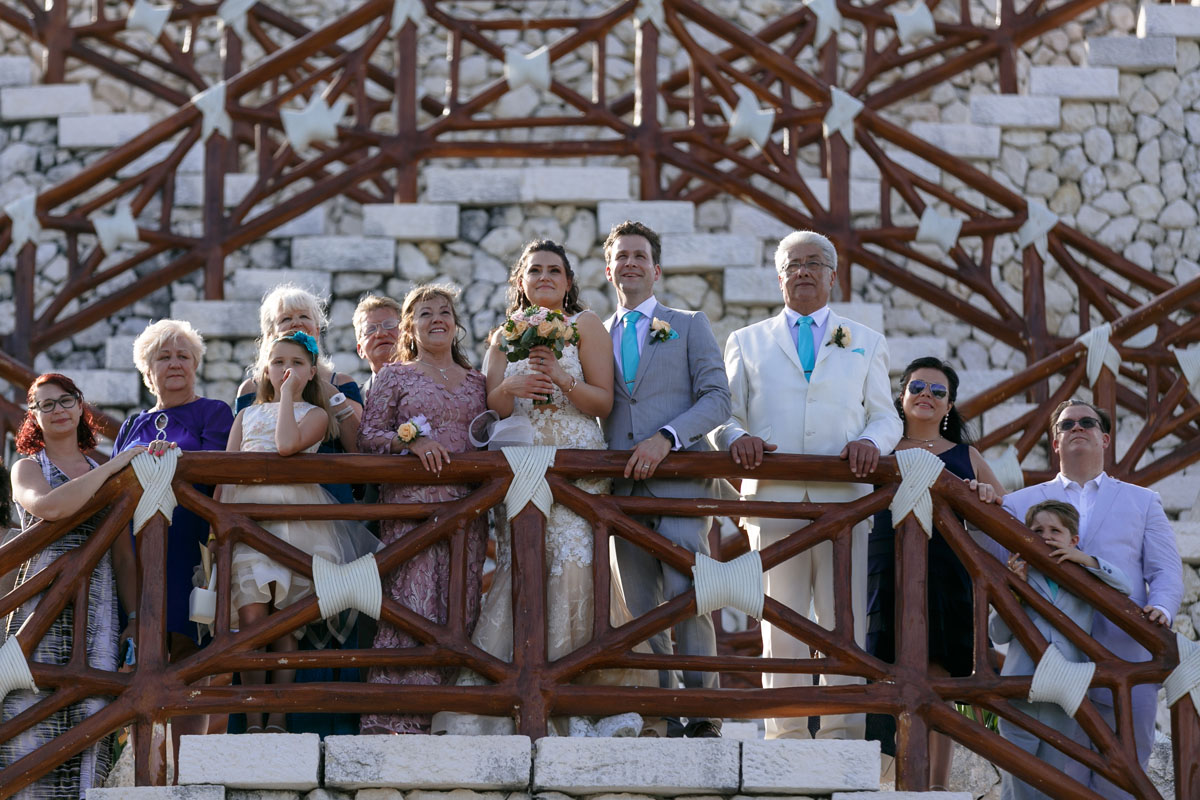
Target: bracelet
[[341, 415], [574, 383], [131, 615], [337, 399]]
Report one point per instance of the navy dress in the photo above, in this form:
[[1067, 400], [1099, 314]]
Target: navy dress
[[202, 424], [950, 601]]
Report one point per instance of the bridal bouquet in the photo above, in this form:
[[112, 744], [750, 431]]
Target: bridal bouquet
[[533, 326]]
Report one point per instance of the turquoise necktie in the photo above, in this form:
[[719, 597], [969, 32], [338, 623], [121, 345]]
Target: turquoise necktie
[[804, 345], [1053, 589], [630, 357]]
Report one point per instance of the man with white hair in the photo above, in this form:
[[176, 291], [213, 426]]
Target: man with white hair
[[376, 330], [808, 381]]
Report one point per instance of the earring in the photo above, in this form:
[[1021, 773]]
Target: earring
[[945, 422]]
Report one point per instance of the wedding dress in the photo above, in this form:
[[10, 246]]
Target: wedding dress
[[568, 569]]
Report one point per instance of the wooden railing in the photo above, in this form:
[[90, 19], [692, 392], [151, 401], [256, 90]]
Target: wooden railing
[[393, 128], [532, 688]]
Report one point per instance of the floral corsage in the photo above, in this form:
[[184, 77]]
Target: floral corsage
[[661, 331], [414, 429], [841, 336]]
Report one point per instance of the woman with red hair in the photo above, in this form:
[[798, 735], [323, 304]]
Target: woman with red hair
[[54, 481]]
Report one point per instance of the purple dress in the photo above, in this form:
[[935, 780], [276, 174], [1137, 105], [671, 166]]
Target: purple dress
[[401, 392], [202, 424]]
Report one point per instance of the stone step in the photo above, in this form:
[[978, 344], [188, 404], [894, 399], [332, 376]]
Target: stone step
[[345, 254], [498, 185], [197, 792], [428, 762], [100, 130], [1131, 54], [1075, 83], [189, 188], [262, 761], [412, 222], [759, 286], [1187, 537], [108, 387], [960, 139], [664, 216], [1017, 111], [864, 194], [248, 283], [118, 353], [1180, 492], [220, 319], [973, 381], [903, 349], [1179, 21], [709, 251], [16, 71], [46, 101]]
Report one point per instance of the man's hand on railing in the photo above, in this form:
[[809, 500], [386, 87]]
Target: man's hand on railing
[[987, 493], [646, 457], [1156, 615], [863, 456], [748, 451]]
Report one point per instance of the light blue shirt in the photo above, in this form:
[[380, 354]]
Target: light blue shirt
[[642, 326], [819, 318]]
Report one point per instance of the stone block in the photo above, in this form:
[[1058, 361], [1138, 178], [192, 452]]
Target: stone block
[[812, 766], [118, 353], [1179, 21], [192, 161], [222, 319], [903, 349], [747, 219], [902, 796], [198, 792], [189, 189], [1075, 83], [864, 194], [741, 731], [108, 387], [250, 283], [1017, 111], [1179, 492], [15, 71], [752, 286], [1131, 54], [916, 165], [960, 139], [709, 251], [45, 101], [264, 761], [100, 130], [261, 794], [309, 223], [869, 314], [412, 222], [1187, 538], [345, 254], [492, 186], [1003, 414], [427, 762], [973, 381], [664, 216], [667, 767]]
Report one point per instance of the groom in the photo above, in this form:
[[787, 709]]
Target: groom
[[670, 392]]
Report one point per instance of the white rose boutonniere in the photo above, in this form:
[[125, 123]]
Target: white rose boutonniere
[[661, 331], [841, 336]]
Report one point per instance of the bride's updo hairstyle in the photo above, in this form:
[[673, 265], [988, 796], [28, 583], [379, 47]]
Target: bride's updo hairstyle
[[516, 292], [406, 342]]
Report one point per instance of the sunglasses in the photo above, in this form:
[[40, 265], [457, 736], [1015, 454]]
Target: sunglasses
[[46, 406], [938, 390], [386, 325], [1087, 423]]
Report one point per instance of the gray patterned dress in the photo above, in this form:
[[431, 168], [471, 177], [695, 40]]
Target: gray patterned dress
[[89, 768]]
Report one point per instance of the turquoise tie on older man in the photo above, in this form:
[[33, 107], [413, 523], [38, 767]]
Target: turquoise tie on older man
[[804, 345], [630, 357]]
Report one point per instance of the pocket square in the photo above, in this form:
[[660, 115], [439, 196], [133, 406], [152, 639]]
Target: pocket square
[[859, 350]]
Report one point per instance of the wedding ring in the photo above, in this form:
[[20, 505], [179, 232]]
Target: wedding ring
[[428, 452]]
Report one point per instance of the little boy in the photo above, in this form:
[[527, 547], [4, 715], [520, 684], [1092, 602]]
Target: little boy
[[1058, 525]]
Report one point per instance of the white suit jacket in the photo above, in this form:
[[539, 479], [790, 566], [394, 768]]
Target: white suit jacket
[[847, 398], [1127, 527]]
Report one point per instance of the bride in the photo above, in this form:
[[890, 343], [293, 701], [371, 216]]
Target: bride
[[579, 386]]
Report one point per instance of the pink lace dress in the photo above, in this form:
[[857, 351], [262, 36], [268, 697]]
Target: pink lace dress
[[401, 392]]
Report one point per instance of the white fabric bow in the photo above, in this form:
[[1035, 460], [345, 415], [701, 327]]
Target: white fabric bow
[[341, 586], [829, 19], [1038, 224], [939, 230], [233, 14], [155, 474], [114, 229], [919, 470], [1100, 352], [14, 669], [650, 11], [915, 24], [25, 224], [1057, 680], [1189, 365], [529, 485], [748, 120], [316, 122], [737, 583], [532, 68], [145, 16], [406, 10], [211, 103], [840, 116], [1185, 678]]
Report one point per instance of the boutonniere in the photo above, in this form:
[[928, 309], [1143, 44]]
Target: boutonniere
[[841, 336], [661, 331]]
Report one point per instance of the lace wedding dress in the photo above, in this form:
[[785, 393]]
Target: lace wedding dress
[[569, 596]]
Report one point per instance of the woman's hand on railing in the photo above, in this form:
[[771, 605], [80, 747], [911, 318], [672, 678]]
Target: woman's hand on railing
[[158, 447], [987, 493], [432, 454]]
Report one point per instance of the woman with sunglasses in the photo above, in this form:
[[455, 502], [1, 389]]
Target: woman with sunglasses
[[54, 481], [932, 423]]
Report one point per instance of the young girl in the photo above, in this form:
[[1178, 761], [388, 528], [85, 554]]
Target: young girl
[[288, 416]]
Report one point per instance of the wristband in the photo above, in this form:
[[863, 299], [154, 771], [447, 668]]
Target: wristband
[[337, 399], [131, 615]]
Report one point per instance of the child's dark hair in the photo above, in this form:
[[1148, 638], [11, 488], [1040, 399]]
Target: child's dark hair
[[312, 389], [1066, 513]]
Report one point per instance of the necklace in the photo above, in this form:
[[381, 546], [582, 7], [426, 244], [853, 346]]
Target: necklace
[[445, 377], [924, 442]]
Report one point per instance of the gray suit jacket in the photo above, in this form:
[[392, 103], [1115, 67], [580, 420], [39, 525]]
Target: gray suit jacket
[[681, 383]]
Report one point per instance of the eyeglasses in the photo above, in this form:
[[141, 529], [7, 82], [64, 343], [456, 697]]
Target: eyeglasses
[[811, 267], [938, 390], [46, 406], [376, 327], [1087, 423]]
